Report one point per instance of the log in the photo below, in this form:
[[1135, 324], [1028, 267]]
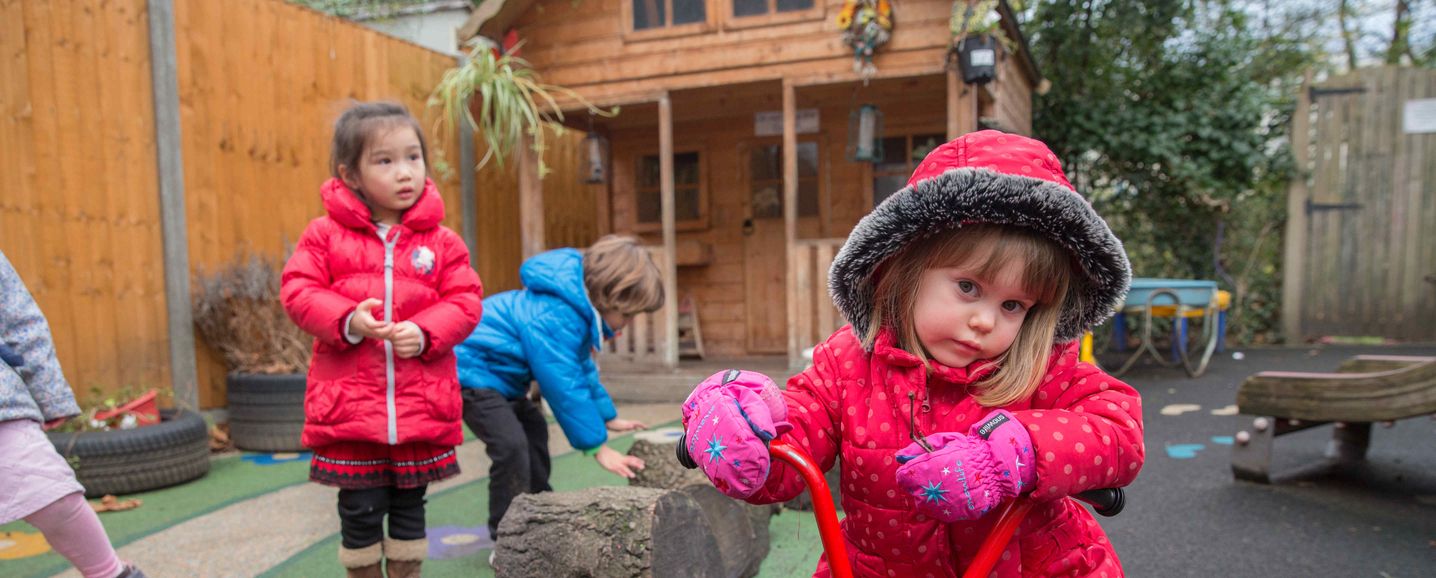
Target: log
[[740, 529], [660, 465], [606, 531]]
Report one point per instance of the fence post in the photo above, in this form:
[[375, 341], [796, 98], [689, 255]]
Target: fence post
[[467, 203], [164, 78], [1294, 256]]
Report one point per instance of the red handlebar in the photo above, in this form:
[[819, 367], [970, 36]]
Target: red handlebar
[[1107, 502], [823, 507]]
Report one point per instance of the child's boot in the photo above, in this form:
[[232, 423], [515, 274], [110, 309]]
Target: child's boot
[[404, 557], [362, 562]]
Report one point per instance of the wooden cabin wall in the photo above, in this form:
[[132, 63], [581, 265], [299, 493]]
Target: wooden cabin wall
[[1011, 102], [744, 284], [584, 46]]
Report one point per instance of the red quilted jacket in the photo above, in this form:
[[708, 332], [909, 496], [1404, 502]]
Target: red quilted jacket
[[362, 392], [1086, 430]]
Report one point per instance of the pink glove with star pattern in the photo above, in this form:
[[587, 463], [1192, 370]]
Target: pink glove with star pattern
[[728, 421], [967, 475]]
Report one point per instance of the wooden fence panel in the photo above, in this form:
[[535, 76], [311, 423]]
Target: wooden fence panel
[[1369, 267], [261, 83], [79, 217]]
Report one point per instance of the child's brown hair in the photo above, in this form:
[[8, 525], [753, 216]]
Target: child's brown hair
[[359, 123], [621, 276], [986, 250]]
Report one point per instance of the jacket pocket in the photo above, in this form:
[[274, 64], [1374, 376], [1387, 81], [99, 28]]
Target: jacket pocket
[[324, 403]]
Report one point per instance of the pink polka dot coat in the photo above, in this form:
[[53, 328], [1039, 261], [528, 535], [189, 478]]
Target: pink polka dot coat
[[1086, 430]]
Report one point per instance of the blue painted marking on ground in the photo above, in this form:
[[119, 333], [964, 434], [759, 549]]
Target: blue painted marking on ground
[[274, 459], [1222, 440], [1184, 451]]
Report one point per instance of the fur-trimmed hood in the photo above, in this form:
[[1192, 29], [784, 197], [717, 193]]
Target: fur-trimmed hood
[[987, 177]]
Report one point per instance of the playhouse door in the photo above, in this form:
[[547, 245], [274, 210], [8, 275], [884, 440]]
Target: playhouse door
[[764, 247]]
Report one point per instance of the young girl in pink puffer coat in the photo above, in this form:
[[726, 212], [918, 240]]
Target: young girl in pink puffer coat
[[957, 385]]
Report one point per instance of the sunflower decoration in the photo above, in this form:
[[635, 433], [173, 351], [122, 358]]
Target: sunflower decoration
[[866, 25]]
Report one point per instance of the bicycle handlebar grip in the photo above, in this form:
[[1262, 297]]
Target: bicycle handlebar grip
[[682, 451], [1106, 502]]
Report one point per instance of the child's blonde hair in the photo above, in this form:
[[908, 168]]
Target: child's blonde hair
[[985, 250], [621, 276]]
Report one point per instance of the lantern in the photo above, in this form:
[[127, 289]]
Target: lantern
[[977, 56], [595, 148], [865, 131]]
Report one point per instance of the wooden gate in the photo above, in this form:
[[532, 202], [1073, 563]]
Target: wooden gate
[[1359, 255]]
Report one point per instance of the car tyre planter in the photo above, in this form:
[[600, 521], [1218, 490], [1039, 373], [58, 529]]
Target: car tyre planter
[[266, 412], [174, 451]]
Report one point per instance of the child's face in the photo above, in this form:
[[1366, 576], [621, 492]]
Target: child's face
[[961, 318], [616, 320], [391, 172]]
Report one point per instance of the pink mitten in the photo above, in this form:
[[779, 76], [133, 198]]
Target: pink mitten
[[729, 420], [965, 476]]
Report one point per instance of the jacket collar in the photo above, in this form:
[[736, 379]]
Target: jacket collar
[[886, 349], [345, 206]]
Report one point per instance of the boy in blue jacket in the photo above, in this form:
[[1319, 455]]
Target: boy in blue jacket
[[547, 332]]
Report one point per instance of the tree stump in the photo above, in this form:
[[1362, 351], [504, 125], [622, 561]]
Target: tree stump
[[740, 529], [606, 531], [660, 464]]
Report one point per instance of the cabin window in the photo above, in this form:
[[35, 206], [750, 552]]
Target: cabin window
[[765, 172], [651, 14], [689, 199], [901, 154], [743, 8]]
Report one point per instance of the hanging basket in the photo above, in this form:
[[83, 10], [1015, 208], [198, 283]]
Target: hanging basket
[[977, 58]]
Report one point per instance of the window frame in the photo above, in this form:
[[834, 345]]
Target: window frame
[[631, 34], [907, 136], [747, 159], [773, 17], [684, 225]]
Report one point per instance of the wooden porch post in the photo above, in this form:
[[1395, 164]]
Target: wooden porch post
[[530, 200], [790, 215], [961, 107], [1294, 255], [670, 269]]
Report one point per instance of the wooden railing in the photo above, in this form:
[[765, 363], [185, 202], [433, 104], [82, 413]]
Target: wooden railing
[[645, 340], [815, 318]]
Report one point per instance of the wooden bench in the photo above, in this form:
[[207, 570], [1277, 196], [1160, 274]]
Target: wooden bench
[[1364, 390]]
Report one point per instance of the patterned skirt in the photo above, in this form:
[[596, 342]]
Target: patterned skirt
[[364, 465]]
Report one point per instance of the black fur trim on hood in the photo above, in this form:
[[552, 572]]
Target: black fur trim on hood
[[967, 196]]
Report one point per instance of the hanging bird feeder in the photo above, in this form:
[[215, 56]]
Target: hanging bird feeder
[[865, 131], [595, 147]]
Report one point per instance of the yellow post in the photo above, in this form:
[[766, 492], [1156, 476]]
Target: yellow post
[[1085, 354]]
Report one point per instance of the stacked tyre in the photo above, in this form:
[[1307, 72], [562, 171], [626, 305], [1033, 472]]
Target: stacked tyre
[[118, 462], [266, 412]]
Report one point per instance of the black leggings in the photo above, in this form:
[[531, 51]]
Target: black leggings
[[361, 515], [515, 436]]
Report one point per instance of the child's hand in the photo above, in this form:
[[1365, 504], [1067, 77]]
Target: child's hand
[[728, 421], [617, 424], [617, 463], [967, 475], [407, 338], [364, 324]]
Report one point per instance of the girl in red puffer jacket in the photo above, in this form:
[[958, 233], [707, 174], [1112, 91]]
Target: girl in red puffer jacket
[[957, 384], [387, 293]]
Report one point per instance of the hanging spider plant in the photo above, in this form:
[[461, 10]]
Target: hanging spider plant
[[511, 100]]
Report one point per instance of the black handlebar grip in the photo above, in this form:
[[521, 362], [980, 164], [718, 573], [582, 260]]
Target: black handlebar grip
[[1105, 502], [682, 451]]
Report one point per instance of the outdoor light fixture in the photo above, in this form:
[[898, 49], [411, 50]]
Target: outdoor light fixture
[[865, 130], [595, 146], [977, 56]]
